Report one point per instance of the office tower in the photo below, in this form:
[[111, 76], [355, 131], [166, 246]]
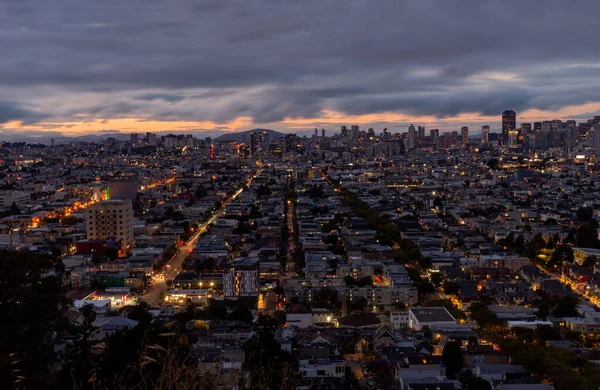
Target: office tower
[[434, 134], [464, 133], [111, 219], [371, 134], [526, 128], [323, 133], [485, 134], [169, 142], [355, 132], [420, 135], [537, 126], [387, 136], [316, 133], [241, 278], [513, 139], [52, 144], [412, 135], [344, 131], [257, 144], [509, 121]]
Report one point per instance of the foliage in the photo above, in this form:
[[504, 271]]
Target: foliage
[[566, 307], [451, 288], [472, 382], [269, 365], [31, 304], [452, 358]]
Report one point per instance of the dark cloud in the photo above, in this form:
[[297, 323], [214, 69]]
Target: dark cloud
[[10, 111], [273, 59]]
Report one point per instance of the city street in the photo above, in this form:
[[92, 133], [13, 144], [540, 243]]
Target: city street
[[152, 296]]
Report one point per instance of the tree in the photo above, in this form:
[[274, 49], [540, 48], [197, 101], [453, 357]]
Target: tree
[[452, 358], [451, 288], [590, 261], [566, 307], [111, 253], [493, 163], [31, 296], [472, 382], [78, 365], [585, 214], [587, 236], [14, 209], [436, 278], [269, 365], [241, 313]]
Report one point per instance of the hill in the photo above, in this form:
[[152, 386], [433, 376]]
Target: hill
[[239, 136]]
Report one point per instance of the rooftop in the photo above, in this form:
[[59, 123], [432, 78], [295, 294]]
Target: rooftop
[[432, 314]]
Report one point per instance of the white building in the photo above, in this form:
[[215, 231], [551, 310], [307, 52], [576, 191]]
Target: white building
[[399, 319], [419, 317]]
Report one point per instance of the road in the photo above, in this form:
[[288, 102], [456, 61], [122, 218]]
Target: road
[[358, 372], [593, 301], [152, 296]]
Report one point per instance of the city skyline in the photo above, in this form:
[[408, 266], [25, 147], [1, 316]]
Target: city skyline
[[233, 66]]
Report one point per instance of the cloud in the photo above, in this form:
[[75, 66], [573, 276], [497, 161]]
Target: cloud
[[10, 111], [276, 61]]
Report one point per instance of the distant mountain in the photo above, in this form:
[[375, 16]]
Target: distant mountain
[[239, 137]]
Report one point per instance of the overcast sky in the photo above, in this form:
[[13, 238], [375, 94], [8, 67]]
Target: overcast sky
[[79, 67]]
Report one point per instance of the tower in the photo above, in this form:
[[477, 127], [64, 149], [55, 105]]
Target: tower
[[464, 134], [509, 121], [412, 135], [485, 134]]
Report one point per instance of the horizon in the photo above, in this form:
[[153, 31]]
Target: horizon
[[283, 66]]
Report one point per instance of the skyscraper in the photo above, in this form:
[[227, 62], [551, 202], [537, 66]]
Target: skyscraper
[[485, 134], [509, 121], [412, 135], [464, 133]]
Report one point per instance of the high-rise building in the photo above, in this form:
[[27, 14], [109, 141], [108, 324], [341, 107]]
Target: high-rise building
[[421, 135], [355, 132], [344, 131], [412, 137], [322, 133], [434, 134], [509, 121], [526, 128], [241, 278], [111, 219], [513, 139], [485, 134], [257, 141], [464, 134]]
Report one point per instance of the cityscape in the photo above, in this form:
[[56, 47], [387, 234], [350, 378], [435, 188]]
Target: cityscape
[[359, 259], [299, 195]]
